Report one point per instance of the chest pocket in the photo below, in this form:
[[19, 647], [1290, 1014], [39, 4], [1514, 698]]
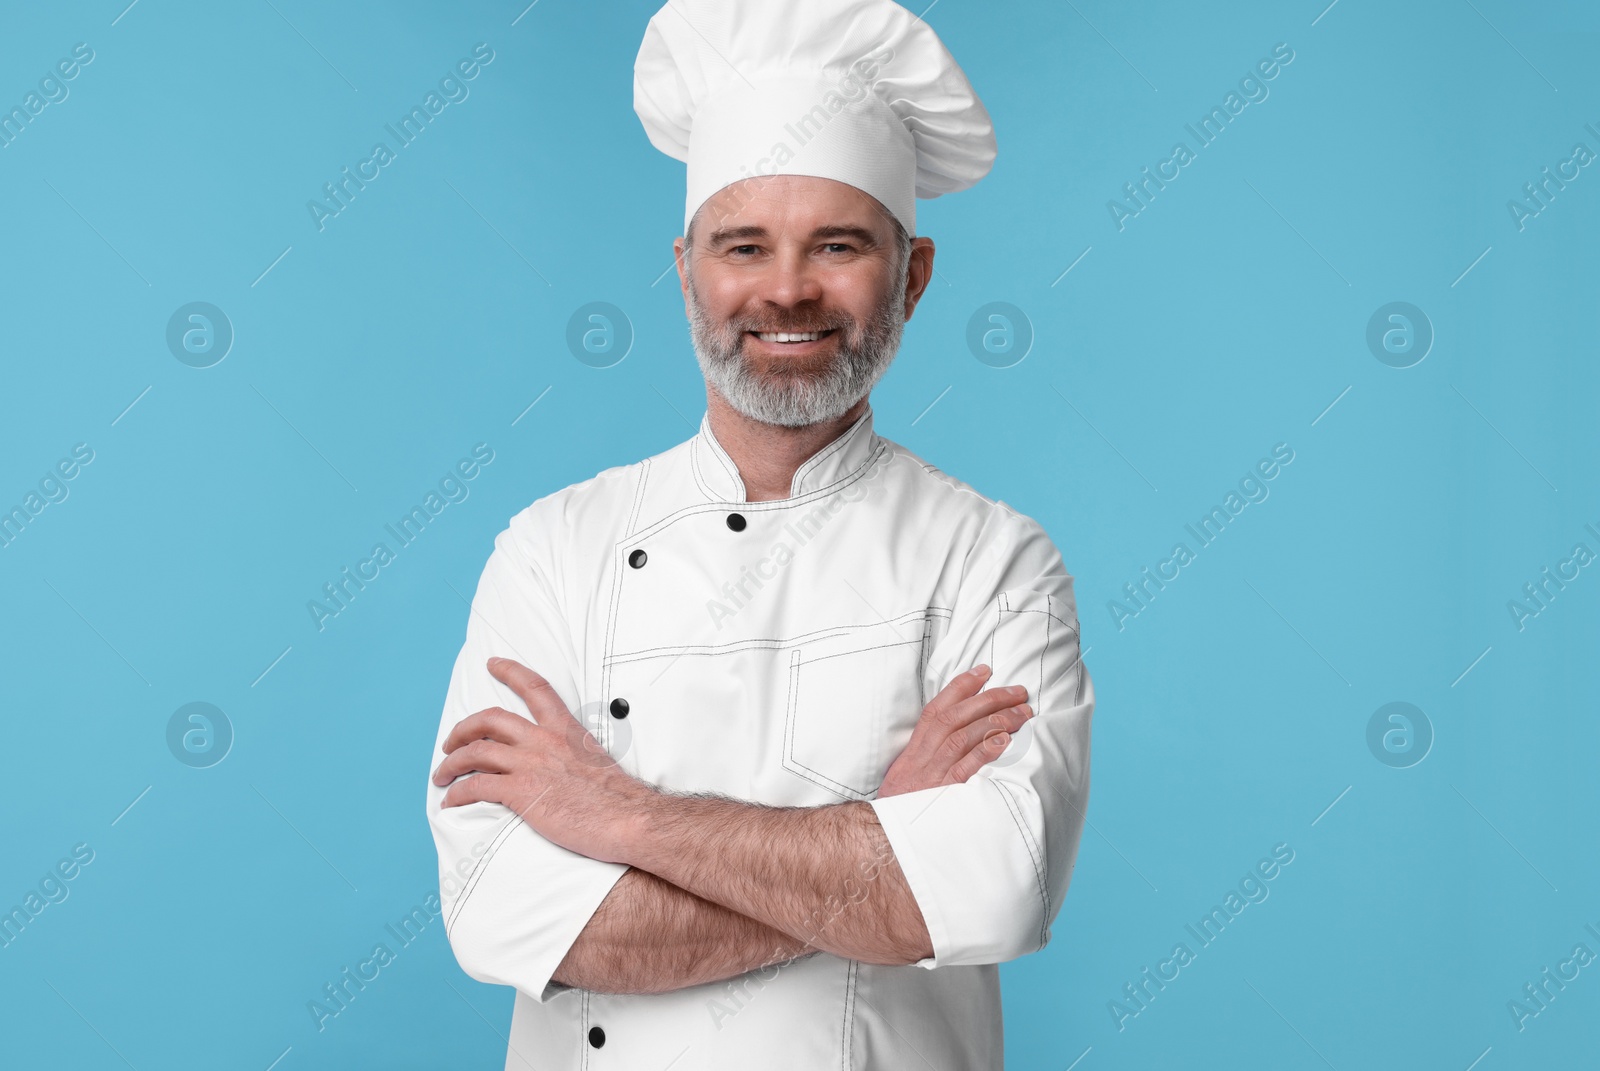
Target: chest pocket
[[854, 697]]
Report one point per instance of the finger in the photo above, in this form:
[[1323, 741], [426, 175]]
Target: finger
[[962, 686], [493, 723], [479, 788], [962, 742], [934, 730], [480, 756], [544, 704], [988, 749], [989, 701]]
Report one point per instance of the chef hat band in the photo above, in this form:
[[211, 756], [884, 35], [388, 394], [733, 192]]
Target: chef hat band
[[803, 126], [859, 91]]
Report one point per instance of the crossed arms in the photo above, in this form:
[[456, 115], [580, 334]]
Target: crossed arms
[[609, 884], [717, 887]]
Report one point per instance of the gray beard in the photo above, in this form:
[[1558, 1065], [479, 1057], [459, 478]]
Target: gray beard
[[863, 354]]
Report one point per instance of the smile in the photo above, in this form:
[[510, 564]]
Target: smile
[[791, 336]]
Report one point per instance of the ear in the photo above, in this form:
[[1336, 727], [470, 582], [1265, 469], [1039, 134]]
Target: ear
[[919, 272], [682, 264]]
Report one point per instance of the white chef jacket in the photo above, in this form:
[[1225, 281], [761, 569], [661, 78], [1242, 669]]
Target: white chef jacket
[[779, 652]]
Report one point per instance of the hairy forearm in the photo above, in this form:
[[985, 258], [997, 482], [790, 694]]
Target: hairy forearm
[[825, 876], [649, 936]]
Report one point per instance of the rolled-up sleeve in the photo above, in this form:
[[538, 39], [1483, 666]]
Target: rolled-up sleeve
[[514, 903], [988, 861]]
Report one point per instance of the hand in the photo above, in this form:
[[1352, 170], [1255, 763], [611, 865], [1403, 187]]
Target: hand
[[549, 770], [961, 729]]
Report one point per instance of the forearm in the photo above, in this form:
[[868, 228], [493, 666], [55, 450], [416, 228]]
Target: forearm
[[825, 876], [649, 936]]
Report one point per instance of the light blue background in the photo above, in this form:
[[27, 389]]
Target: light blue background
[[1225, 318]]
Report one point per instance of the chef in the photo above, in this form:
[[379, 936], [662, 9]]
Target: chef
[[765, 751]]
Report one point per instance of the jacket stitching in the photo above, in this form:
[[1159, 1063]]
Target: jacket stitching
[[616, 595], [638, 496], [699, 476], [770, 642], [794, 765], [1033, 853], [583, 1030], [792, 716], [849, 1016], [478, 871], [721, 505], [845, 440], [718, 451], [1077, 663], [1048, 613]]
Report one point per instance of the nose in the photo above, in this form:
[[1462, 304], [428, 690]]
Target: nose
[[791, 279]]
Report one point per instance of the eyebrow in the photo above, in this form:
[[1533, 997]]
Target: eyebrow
[[838, 230]]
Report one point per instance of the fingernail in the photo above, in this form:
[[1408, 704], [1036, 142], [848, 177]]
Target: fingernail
[[979, 671], [1002, 739]]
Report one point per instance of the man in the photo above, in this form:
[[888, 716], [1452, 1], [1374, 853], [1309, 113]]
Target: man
[[692, 798]]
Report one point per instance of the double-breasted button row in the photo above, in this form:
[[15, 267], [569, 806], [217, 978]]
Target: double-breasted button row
[[637, 559]]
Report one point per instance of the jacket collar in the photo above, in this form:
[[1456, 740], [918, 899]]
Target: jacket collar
[[718, 476]]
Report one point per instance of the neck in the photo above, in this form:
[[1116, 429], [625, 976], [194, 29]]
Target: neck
[[768, 455]]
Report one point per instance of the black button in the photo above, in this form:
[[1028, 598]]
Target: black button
[[637, 559], [619, 708], [736, 522], [597, 1037]]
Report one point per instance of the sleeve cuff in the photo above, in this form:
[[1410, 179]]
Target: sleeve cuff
[[895, 815], [976, 872], [523, 910]]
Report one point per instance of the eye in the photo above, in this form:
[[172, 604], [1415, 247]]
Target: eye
[[742, 250], [837, 247]]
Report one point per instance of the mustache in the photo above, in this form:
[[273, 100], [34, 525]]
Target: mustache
[[791, 327]]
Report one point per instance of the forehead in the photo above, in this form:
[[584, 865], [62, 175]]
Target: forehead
[[792, 204]]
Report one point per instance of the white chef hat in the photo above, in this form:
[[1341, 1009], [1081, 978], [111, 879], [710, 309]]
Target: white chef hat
[[860, 91]]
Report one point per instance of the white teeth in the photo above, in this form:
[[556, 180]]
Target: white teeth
[[788, 336]]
